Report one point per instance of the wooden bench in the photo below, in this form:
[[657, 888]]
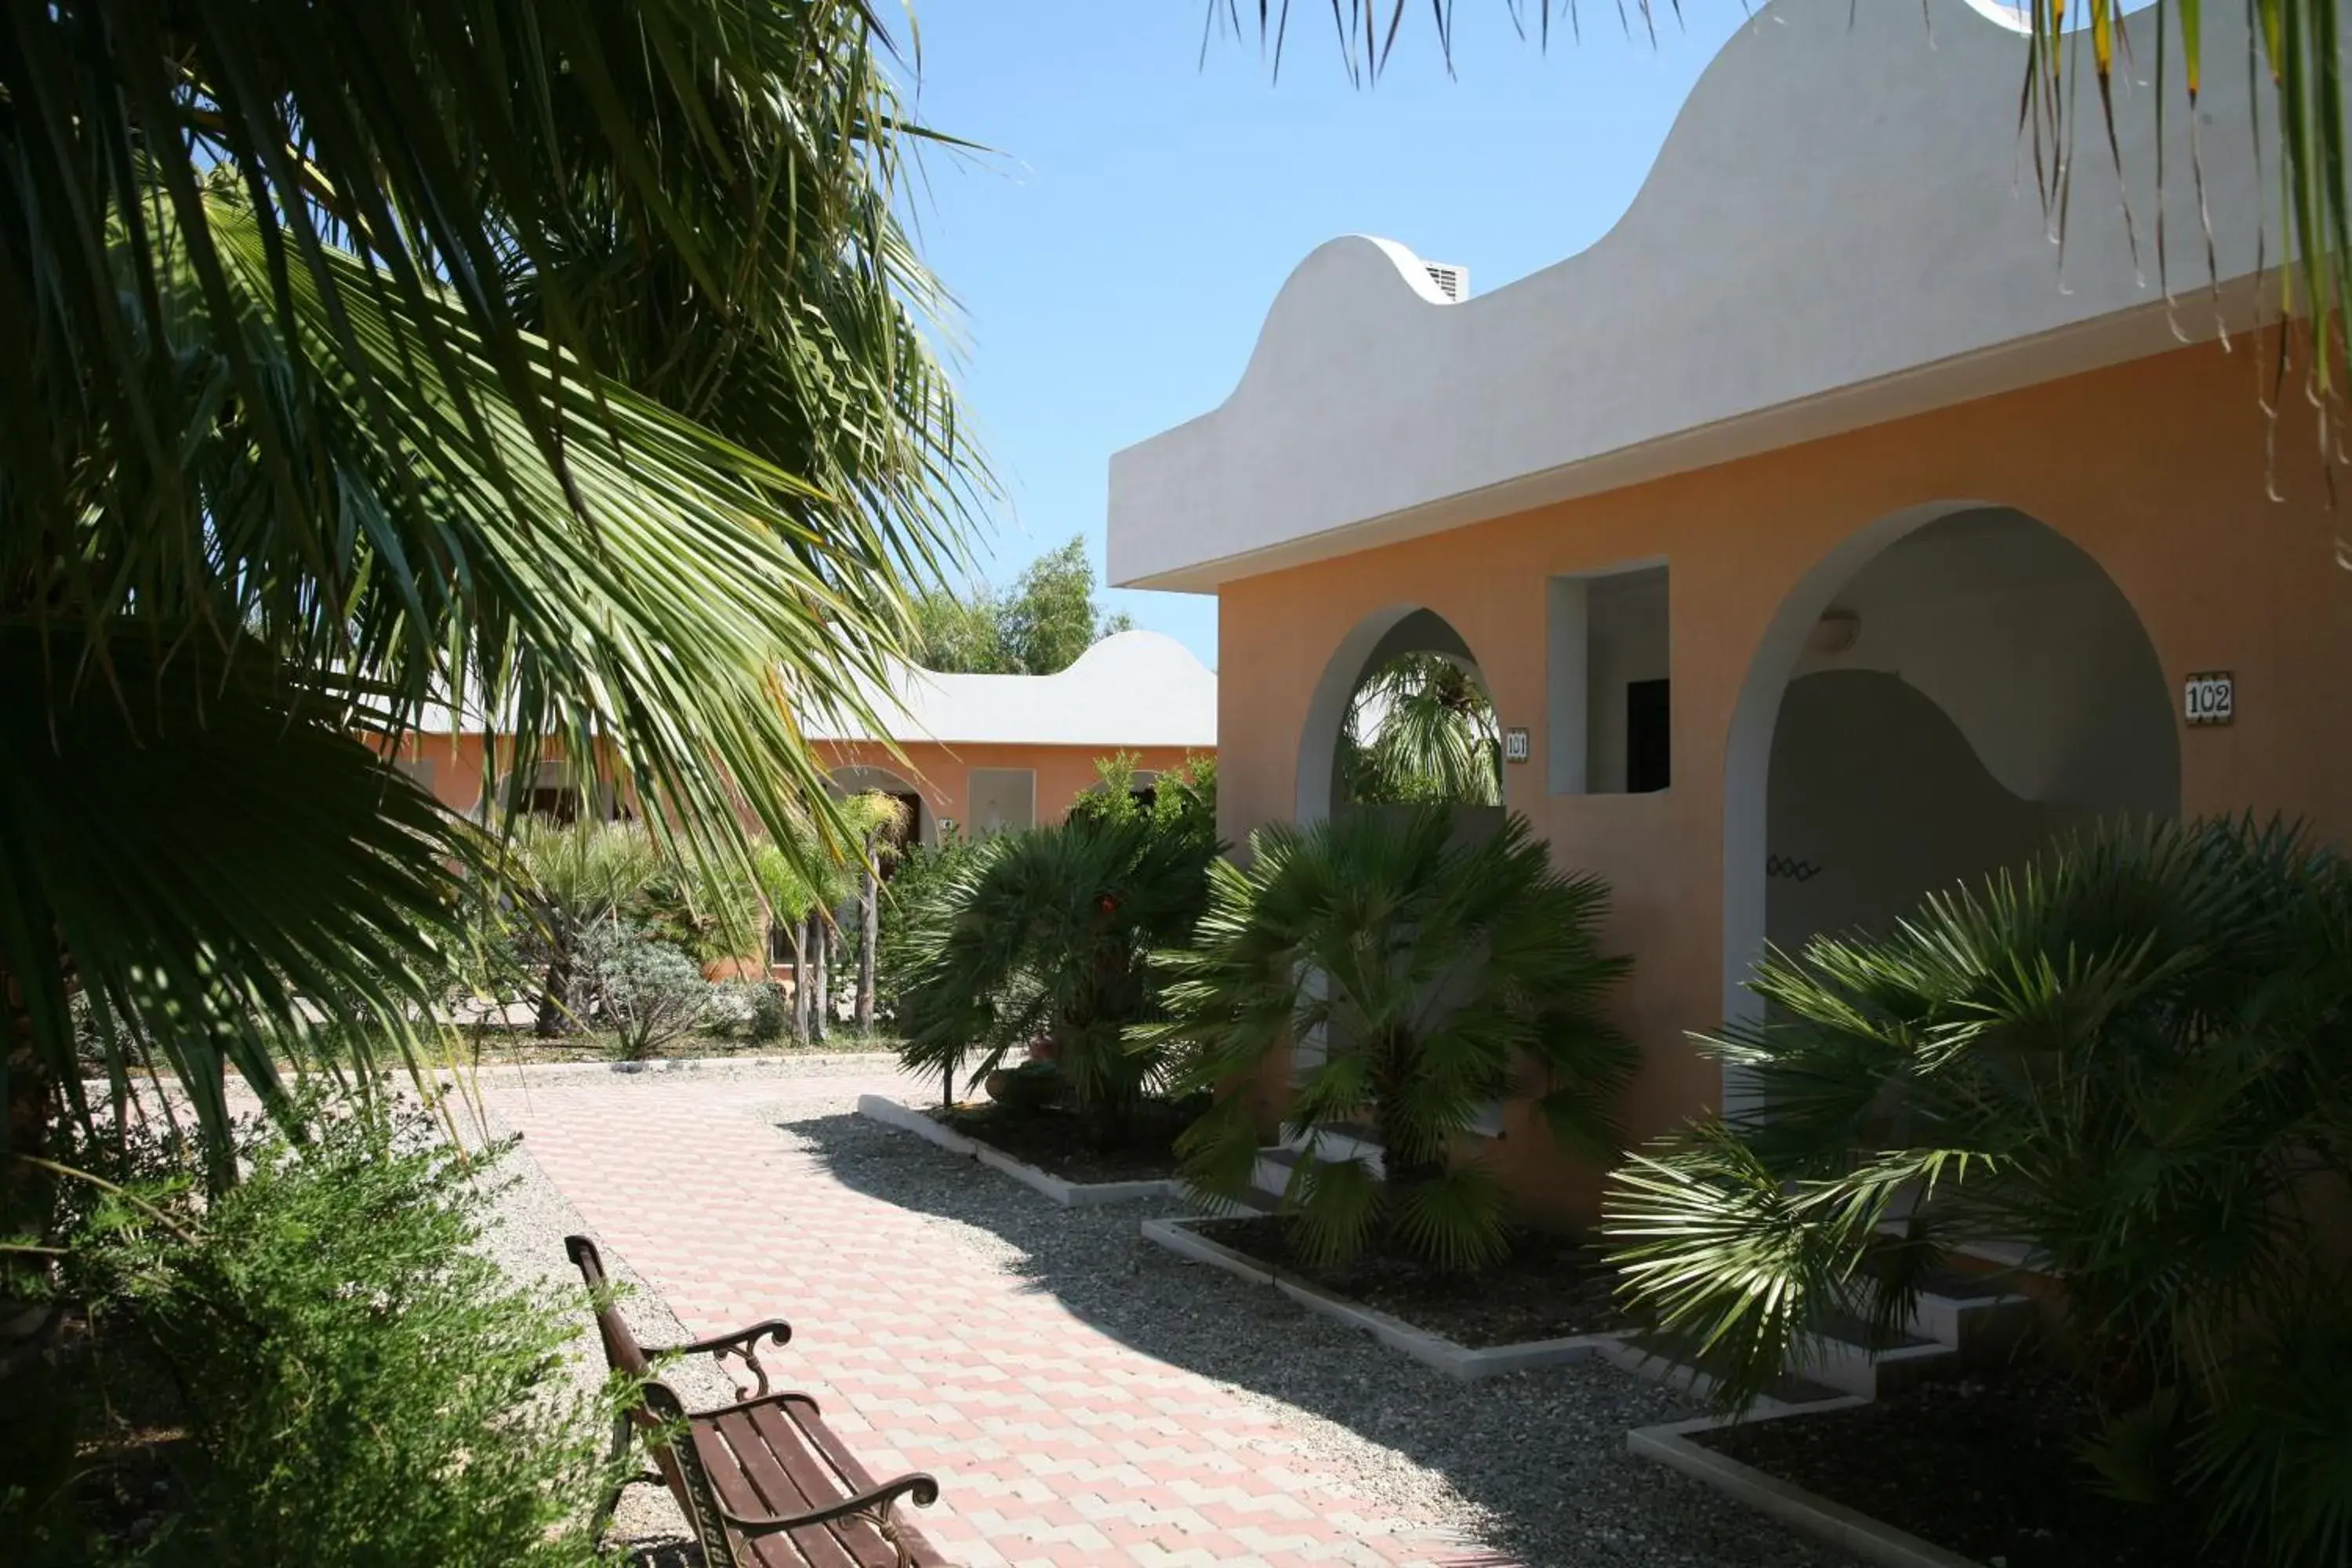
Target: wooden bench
[[763, 1482]]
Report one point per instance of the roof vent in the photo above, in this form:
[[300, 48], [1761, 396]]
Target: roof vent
[[1451, 281]]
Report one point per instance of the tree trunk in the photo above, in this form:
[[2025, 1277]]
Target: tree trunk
[[798, 936], [823, 1000], [869, 932], [555, 996]]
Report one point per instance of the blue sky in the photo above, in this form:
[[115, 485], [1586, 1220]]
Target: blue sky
[[1116, 257]]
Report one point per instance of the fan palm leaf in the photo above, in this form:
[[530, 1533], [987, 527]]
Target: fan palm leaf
[[2129, 1058], [1433, 963]]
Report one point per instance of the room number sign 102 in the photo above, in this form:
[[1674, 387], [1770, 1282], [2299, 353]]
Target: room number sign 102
[[2211, 698]]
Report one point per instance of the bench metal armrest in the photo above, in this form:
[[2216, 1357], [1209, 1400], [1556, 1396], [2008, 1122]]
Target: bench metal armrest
[[922, 1489], [742, 1344]]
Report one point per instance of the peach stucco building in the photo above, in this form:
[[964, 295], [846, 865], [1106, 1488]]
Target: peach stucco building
[[982, 752], [990, 752], [1821, 502]]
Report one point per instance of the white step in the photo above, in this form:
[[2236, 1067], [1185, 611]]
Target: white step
[[1843, 1360], [1274, 1164], [1979, 1318]]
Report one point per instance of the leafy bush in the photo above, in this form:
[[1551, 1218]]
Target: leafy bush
[[1428, 957], [770, 1014], [360, 1384], [1048, 935], [912, 895], [646, 992], [2135, 1057]]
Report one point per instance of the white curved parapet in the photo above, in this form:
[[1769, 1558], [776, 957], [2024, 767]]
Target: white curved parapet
[[1843, 226], [1132, 690]]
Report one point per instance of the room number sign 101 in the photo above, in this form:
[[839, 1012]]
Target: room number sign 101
[[2211, 698]]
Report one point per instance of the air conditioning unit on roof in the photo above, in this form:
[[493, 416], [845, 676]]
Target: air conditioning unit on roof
[[1451, 281]]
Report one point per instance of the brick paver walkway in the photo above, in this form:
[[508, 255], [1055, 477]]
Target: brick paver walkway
[[1053, 1442]]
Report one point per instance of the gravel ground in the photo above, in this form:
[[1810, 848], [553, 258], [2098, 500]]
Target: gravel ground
[[1532, 1464]]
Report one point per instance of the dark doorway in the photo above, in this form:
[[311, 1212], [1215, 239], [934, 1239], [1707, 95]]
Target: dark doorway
[[1649, 736]]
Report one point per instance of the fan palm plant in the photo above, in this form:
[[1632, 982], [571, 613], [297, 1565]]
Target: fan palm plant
[[2131, 1059], [1436, 966], [562, 364], [1421, 732], [1050, 934]]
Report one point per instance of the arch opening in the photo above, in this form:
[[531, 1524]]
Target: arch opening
[[917, 824], [1402, 716], [1945, 693]]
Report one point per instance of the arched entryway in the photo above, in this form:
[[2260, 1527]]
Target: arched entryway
[[1942, 694], [916, 822], [1399, 656]]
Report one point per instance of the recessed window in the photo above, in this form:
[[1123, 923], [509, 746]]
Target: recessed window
[[1608, 703]]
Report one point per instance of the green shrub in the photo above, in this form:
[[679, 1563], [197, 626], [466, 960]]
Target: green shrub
[[646, 992], [771, 1015], [1049, 935], [361, 1386], [1430, 957], [2135, 1057]]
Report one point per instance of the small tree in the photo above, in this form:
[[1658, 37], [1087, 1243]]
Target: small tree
[[577, 874], [1431, 967]]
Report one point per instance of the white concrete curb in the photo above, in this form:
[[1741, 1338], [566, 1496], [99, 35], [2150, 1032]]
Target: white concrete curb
[[1068, 1194], [1178, 1235], [1792, 1505]]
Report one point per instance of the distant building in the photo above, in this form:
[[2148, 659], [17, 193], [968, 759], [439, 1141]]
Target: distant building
[[988, 753], [983, 752]]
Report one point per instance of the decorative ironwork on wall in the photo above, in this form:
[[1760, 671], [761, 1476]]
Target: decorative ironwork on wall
[[1791, 869]]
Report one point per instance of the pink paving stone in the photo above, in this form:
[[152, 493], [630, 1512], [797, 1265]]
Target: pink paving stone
[[1034, 1422]]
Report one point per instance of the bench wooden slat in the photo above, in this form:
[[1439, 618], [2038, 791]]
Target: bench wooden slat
[[775, 1490], [819, 1466]]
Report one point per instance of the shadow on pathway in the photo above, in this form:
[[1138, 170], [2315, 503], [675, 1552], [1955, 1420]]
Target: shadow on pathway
[[1539, 1457]]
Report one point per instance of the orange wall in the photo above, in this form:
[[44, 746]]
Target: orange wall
[[2155, 469], [940, 772]]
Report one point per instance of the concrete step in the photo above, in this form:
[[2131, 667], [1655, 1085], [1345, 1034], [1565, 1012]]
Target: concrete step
[[1842, 1357], [1346, 1141], [1977, 1315]]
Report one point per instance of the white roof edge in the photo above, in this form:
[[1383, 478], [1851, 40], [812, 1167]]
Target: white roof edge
[[1841, 228], [1129, 690]]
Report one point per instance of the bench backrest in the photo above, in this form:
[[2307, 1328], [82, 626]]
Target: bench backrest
[[622, 1352], [655, 1408]]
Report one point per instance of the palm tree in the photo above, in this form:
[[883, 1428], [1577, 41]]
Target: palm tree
[[802, 883], [576, 875], [560, 364], [1050, 935], [2131, 1059], [1421, 732], [1436, 966], [2297, 44]]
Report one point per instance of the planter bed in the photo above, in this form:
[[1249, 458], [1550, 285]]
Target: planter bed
[[1055, 1141], [1497, 1312], [1087, 1186], [1990, 1469], [1550, 1287]]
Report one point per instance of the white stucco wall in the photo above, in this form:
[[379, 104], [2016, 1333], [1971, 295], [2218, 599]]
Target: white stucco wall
[[2031, 649], [1876, 799], [1842, 228]]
